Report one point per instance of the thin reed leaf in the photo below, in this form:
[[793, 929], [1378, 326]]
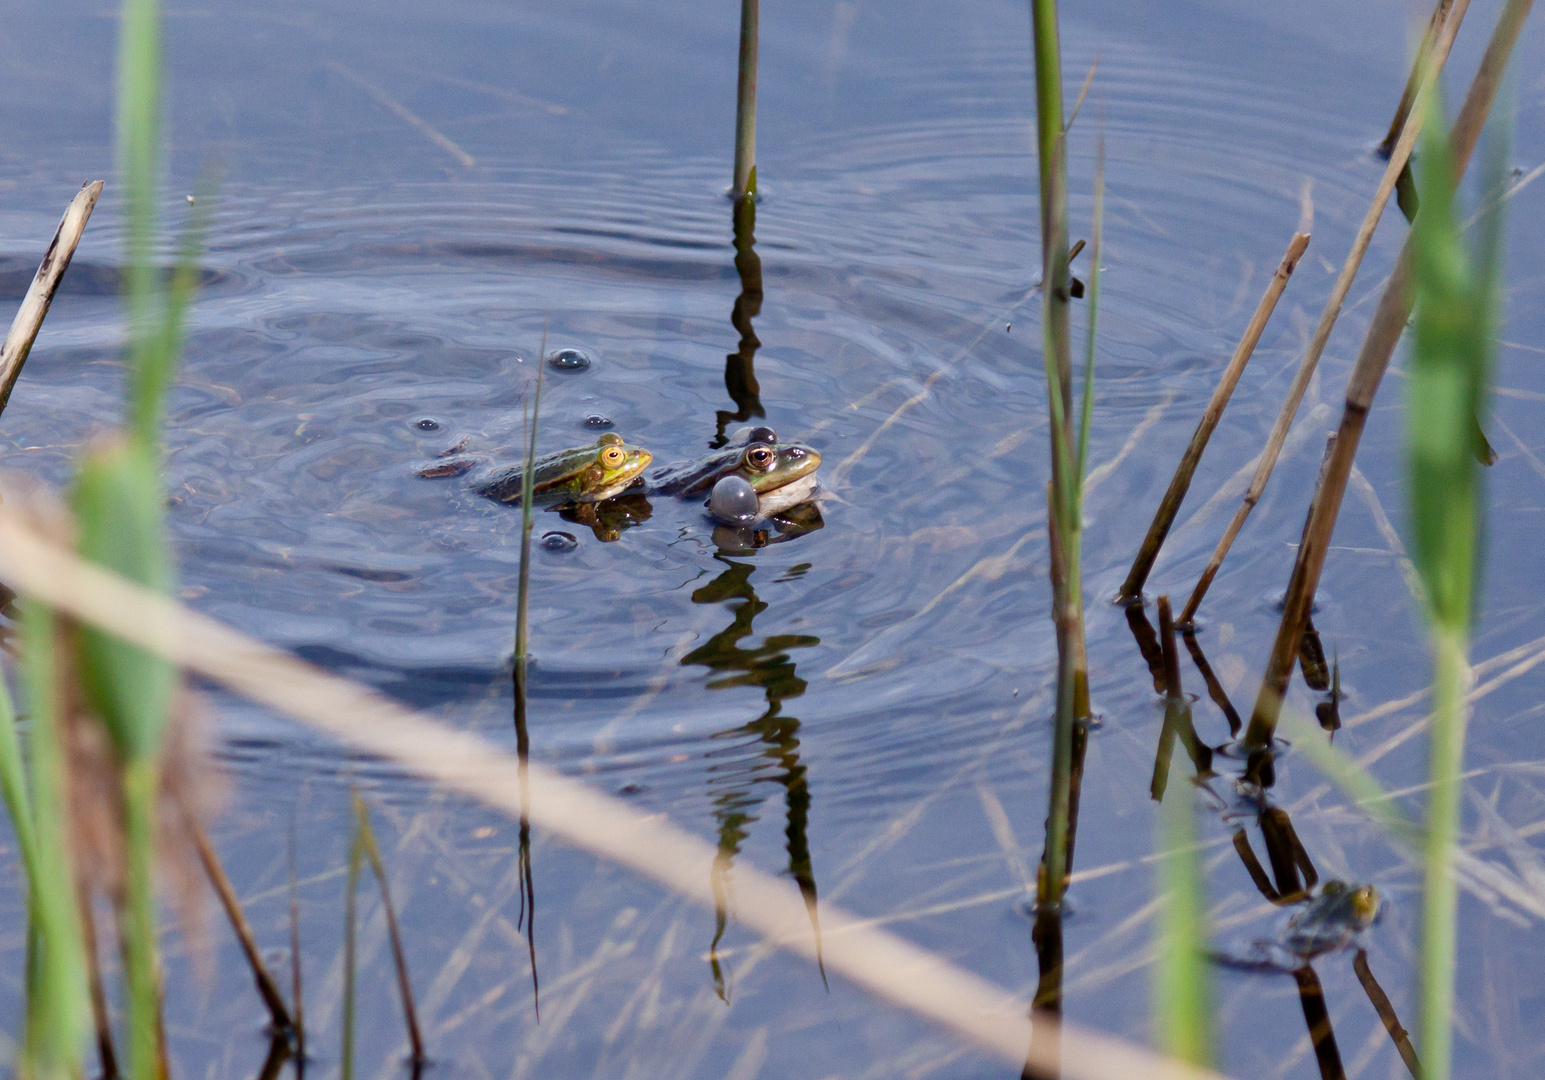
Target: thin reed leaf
[[58, 1014], [350, 952], [1093, 303], [372, 851], [527, 486]]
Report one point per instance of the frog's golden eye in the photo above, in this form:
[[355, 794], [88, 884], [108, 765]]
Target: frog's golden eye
[[760, 458], [613, 457]]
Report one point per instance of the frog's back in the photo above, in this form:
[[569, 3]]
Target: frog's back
[[554, 476]]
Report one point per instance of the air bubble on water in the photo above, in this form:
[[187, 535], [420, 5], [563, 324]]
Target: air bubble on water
[[559, 541], [570, 359], [427, 423], [596, 420]]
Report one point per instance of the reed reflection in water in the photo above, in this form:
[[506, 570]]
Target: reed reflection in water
[[740, 365], [762, 752]]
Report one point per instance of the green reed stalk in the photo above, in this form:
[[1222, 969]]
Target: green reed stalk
[[1456, 306], [1182, 997], [745, 102], [57, 1012], [139, 151], [1068, 442], [118, 503], [523, 589]]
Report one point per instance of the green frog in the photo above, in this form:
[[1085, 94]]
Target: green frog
[[581, 474], [781, 474], [1332, 919], [1327, 923]]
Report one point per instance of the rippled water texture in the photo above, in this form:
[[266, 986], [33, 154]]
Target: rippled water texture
[[410, 194]]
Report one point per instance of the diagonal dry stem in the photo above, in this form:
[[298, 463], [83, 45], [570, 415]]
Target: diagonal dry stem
[[1389, 322], [40, 294], [1338, 295], [1164, 517]]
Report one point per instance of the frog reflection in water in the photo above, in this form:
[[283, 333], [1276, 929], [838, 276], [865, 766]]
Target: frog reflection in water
[[763, 751]]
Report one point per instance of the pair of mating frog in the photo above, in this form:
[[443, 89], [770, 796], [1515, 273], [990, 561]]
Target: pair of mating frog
[[752, 478]]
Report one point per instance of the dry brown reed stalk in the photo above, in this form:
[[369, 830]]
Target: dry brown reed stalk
[[1164, 517], [101, 1022], [1381, 1005], [987, 1016], [1338, 295], [278, 1012], [1414, 80], [40, 294], [1389, 322]]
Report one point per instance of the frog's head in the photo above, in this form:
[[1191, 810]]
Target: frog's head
[[770, 466], [614, 467], [1364, 902]]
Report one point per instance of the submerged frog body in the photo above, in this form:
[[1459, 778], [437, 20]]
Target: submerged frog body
[[582, 474], [782, 474], [1328, 923], [1332, 919]]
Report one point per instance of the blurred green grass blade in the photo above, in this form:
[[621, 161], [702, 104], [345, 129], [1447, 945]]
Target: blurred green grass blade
[[141, 791], [139, 149], [13, 787], [1355, 782], [1456, 315], [1449, 360], [1182, 1003], [153, 376], [118, 509], [57, 1007]]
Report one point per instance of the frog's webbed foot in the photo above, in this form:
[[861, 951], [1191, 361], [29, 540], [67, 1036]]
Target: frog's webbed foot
[[1263, 957]]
